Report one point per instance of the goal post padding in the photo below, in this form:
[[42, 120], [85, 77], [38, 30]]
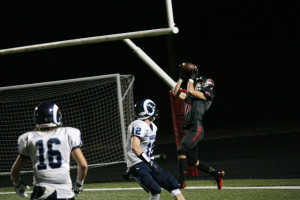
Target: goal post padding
[[178, 109], [91, 104]]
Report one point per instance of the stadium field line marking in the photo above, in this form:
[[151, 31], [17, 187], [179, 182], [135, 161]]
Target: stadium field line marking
[[248, 187], [193, 188]]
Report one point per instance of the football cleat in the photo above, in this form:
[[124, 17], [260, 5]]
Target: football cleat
[[220, 179], [182, 186]]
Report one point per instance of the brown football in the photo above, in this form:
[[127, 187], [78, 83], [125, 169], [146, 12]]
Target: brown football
[[186, 68]]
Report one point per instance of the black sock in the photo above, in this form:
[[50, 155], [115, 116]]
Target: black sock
[[182, 165], [208, 169]]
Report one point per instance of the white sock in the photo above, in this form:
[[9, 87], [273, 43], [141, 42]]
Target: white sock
[[155, 197], [175, 192]]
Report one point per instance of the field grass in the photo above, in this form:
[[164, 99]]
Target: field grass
[[132, 191]]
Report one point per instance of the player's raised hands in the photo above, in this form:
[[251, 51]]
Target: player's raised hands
[[194, 73], [183, 76]]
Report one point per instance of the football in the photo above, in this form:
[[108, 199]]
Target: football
[[186, 68]]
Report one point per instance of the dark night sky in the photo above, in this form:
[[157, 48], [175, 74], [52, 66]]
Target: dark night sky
[[249, 48]]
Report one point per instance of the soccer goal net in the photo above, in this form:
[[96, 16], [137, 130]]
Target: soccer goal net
[[101, 107]]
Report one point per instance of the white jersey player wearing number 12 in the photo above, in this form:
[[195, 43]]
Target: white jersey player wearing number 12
[[140, 143], [49, 147], [147, 138]]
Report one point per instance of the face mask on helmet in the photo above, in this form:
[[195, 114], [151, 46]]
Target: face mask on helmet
[[47, 114], [204, 83], [199, 83], [145, 109], [209, 83]]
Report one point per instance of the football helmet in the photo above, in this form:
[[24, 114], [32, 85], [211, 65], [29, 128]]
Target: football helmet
[[146, 108], [47, 114], [205, 83]]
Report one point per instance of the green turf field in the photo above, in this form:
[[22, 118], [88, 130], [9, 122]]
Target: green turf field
[[197, 189]]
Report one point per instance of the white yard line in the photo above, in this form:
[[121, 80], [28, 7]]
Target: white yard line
[[193, 188]]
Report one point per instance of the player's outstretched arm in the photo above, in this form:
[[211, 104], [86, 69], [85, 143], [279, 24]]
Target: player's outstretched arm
[[82, 170]]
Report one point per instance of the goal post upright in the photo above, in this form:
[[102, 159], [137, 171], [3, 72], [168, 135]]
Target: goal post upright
[[122, 122], [169, 9]]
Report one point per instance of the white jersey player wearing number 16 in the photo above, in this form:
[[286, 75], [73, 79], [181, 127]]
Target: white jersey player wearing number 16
[[49, 147]]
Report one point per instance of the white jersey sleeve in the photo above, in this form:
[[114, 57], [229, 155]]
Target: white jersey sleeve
[[138, 129], [22, 145], [74, 138]]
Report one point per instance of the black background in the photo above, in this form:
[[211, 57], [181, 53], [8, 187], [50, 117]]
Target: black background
[[249, 48]]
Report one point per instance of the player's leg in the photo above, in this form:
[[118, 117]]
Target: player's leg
[[203, 166], [169, 183], [192, 158], [218, 175], [188, 143], [182, 165], [179, 197], [142, 173]]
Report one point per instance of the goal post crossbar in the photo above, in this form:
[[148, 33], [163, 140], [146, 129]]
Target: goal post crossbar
[[172, 29], [57, 82], [90, 40]]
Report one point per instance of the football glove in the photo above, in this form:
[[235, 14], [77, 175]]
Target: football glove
[[182, 76], [77, 188], [149, 162], [21, 189], [194, 74], [154, 167]]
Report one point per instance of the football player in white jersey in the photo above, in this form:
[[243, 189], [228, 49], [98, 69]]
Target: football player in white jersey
[[49, 147], [140, 142]]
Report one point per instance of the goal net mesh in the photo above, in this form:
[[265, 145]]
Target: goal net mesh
[[90, 104]]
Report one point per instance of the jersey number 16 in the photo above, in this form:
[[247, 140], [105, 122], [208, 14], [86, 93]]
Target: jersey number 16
[[51, 154]]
